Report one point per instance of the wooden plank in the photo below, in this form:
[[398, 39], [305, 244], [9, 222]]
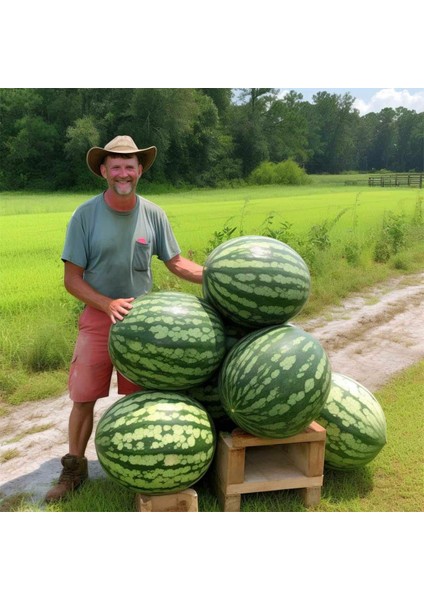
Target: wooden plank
[[268, 469], [242, 439], [308, 458], [311, 496], [248, 464], [297, 481], [231, 503], [185, 501], [229, 461]]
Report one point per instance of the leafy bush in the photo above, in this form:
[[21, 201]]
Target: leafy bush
[[352, 253], [286, 172], [219, 237], [392, 237], [264, 174], [381, 251], [289, 172], [319, 235]]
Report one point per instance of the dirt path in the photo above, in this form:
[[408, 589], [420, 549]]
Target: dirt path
[[370, 337]]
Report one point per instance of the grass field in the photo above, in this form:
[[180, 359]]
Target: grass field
[[334, 226], [33, 225]]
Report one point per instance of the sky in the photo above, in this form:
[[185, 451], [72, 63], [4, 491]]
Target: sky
[[372, 99]]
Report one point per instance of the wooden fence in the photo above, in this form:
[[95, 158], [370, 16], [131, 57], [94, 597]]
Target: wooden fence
[[397, 179]]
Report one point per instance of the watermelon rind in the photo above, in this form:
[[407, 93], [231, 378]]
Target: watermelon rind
[[168, 341], [274, 382], [155, 442], [256, 281], [355, 423]]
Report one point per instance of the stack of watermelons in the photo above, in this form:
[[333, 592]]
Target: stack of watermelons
[[230, 359]]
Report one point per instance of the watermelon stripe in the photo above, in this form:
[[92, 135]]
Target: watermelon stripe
[[274, 382], [169, 340], [256, 281], [355, 424], [155, 442]]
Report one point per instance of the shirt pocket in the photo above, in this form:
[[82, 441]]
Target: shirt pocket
[[142, 254]]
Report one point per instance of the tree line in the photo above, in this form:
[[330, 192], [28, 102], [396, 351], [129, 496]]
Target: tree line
[[205, 137]]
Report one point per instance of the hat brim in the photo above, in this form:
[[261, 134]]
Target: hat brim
[[96, 156]]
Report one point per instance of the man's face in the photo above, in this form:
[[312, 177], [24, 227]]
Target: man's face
[[121, 174]]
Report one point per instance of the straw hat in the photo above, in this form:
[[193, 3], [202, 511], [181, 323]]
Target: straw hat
[[122, 144]]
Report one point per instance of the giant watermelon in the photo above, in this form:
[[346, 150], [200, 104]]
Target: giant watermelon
[[155, 442], [256, 281], [274, 382], [168, 341], [355, 424]]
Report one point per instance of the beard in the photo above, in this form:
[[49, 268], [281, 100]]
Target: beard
[[124, 188]]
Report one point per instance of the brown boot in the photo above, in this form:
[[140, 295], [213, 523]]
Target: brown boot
[[74, 473]]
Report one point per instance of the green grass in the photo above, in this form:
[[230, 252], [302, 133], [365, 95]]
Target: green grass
[[38, 318], [392, 482]]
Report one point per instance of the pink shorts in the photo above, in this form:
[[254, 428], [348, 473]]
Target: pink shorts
[[91, 368]]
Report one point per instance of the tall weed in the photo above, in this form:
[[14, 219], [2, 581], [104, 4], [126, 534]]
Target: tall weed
[[392, 236], [48, 350]]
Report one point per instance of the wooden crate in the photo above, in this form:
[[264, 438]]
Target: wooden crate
[[185, 501], [245, 464]]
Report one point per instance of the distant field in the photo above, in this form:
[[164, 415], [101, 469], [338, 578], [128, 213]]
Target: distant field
[[33, 225]]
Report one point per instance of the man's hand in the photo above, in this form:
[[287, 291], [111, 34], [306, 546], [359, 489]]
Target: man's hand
[[76, 285], [119, 308]]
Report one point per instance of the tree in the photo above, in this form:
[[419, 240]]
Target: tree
[[409, 150], [205, 136], [32, 154], [207, 146], [334, 121], [286, 129], [162, 117], [364, 135], [221, 97], [247, 127], [80, 136], [416, 145], [382, 148]]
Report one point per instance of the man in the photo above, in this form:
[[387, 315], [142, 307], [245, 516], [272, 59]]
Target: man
[[109, 245]]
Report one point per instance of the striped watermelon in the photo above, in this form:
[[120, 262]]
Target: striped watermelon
[[256, 281], [274, 382], [169, 341], [355, 424], [207, 393], [155, 442]]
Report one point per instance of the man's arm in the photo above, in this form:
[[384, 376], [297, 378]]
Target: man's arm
[[185, 268], [78, 287]]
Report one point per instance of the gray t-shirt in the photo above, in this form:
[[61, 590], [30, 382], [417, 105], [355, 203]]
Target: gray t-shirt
[[115, 248]]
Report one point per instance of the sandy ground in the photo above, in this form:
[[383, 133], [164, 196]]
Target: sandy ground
[[370, 337]]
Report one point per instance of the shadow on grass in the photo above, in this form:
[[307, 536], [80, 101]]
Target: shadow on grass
[[98, 495], [341, 491], [342, 486], [14, 502]]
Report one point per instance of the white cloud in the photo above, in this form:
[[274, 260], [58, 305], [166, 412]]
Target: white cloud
[[282, 93], [391, 98]]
